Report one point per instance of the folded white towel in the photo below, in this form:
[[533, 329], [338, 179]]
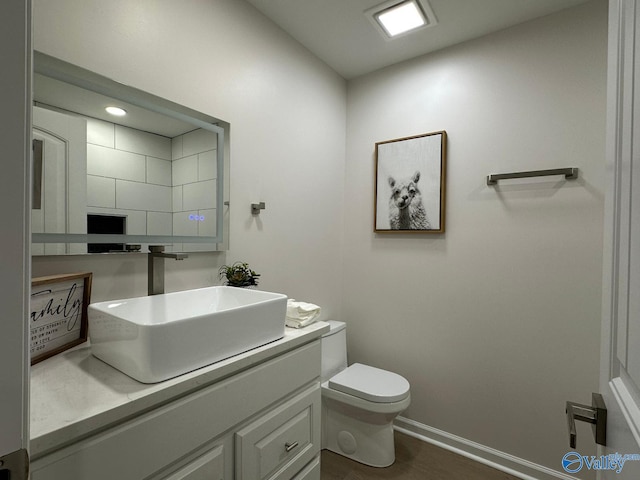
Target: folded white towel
[[301, 314]]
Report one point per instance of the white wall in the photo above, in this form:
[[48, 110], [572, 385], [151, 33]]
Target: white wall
[[287, 112], [496, 322]]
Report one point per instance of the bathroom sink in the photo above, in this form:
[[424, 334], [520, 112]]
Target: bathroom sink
[[159, 337]]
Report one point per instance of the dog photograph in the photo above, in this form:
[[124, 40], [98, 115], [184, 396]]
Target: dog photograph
[[409, 184]]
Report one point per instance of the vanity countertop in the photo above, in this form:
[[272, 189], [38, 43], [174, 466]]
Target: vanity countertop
[[74, 394]]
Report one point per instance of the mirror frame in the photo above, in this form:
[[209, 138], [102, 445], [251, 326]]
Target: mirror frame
[[66, 72]]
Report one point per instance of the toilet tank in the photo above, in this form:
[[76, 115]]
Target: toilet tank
[[334, 350]]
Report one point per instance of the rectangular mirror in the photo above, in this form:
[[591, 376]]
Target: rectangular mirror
[[115, 183]]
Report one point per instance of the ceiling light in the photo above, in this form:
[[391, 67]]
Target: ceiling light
[[401, 18], [117, 111], [396, 17]]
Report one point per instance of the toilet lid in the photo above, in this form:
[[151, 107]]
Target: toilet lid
[[370, 383]]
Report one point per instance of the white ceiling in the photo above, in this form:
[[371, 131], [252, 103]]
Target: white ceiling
[[338, 32]]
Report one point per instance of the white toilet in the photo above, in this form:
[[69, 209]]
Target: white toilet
[[359, 404]]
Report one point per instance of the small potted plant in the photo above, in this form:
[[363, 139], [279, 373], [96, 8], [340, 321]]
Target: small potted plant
[[238, 275]]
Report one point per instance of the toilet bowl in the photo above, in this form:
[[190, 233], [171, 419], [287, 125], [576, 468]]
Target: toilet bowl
[[359, 404]]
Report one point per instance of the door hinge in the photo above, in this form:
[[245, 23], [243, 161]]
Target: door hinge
[[596, 414], [15, 466]]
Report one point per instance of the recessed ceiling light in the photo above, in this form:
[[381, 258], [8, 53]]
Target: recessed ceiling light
[[401, 18], [397, 17], [117, 111]]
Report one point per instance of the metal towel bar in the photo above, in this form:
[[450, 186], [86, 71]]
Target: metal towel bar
[[570, 173]]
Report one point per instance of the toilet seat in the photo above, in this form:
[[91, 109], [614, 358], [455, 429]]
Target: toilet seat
[[370, 383]]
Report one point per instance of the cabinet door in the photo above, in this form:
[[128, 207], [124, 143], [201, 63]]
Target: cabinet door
[[209, 466], [282, 442]]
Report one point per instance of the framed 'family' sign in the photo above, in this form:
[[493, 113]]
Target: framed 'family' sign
[[58, 318], [410, 184]]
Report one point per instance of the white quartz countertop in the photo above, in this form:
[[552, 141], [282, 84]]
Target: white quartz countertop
[[74, 394]]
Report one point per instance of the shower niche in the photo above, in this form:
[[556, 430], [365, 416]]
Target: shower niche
[[106, 225]]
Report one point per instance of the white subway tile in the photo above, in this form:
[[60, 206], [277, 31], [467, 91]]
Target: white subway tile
[[159, 223], [77, 248], [101, 192], [207, 165], [107, 162], [136, 222], [142, 196], [183, 225], [144, 143], [199, 195], [177, 199], [176, 147], [101, 133], [158, 171], [199, 141], [185, 170], [207, 223]]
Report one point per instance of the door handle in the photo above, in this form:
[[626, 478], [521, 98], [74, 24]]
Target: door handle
[[596, 415]]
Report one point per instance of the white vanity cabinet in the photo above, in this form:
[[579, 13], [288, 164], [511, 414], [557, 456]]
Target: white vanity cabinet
[[261, 423]]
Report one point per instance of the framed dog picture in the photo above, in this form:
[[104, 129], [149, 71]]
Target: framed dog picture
[[410, 184]]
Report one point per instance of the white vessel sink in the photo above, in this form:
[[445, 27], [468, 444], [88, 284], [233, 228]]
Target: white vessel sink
[[159, 337]]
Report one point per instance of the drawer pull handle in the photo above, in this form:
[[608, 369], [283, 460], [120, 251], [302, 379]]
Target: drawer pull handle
[[290, 446]]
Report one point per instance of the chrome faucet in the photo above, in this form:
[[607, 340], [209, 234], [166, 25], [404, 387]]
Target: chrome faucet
[[156, 267]]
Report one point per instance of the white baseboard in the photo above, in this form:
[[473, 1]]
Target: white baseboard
[[518, 467]]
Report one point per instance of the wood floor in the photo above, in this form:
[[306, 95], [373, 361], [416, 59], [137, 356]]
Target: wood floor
[[415, 460]]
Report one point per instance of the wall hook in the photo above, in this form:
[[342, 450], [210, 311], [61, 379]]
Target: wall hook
[[256, 207]]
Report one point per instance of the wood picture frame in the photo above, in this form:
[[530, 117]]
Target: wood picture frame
[[410, 175], [58, 317]]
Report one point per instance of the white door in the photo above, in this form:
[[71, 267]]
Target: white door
[[15, 138], [61, 205], [620, 361]]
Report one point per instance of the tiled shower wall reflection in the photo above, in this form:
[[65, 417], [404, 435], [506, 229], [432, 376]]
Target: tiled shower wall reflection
[[163, 186], [194, 175]]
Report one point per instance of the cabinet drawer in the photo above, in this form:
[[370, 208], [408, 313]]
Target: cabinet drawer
[[209, 466], [311, 471], [282, 441]]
